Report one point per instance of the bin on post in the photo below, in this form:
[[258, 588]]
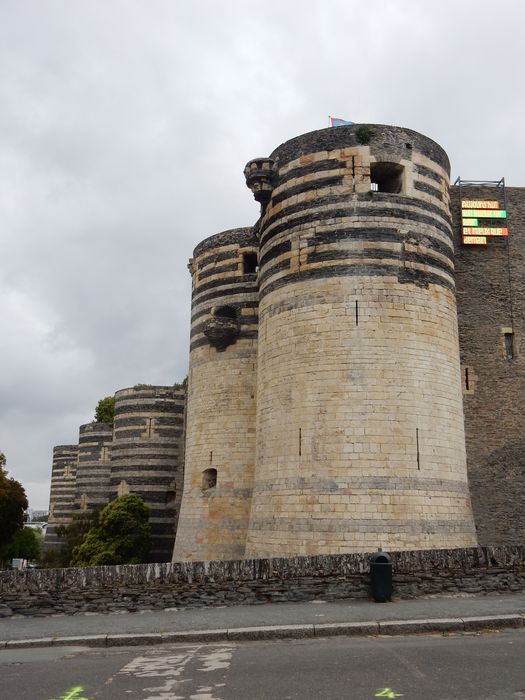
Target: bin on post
[[381, 576]]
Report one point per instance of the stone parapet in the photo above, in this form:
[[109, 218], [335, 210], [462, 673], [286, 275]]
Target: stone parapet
[[212, 583]]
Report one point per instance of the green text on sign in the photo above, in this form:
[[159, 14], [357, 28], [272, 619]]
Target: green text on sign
[[485, 213]]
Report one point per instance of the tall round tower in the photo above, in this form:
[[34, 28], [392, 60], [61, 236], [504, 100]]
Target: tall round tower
[[220, 437], [360, 439], [94, 446], [63, 489], [146, 457]]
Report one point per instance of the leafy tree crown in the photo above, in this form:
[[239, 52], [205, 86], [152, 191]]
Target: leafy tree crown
[[121, 536], [105, 410]]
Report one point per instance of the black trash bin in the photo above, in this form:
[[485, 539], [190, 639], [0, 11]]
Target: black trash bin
[[381, 576]]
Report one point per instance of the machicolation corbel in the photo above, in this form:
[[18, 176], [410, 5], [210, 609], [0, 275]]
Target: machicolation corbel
[[223, 328], [261, 175]]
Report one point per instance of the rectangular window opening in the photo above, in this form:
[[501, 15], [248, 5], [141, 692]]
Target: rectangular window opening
[[386, 177], [249, 263]]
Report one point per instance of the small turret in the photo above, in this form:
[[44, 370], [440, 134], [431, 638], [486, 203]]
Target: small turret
[[261, 175]]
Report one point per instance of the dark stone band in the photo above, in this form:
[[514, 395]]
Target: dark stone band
[[404, 275], [307, 187], [348, 212], [219, 270], [317, 167]]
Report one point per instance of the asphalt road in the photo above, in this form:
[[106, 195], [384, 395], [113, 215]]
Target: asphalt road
[[478, 666]]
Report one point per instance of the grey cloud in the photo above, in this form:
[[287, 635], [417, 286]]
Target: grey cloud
[[124, 129]]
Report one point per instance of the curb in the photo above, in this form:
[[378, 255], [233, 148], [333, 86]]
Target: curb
[[349, 629]]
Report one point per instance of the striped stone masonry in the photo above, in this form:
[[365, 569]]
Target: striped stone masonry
[[142, 453], [324, 408], [63, 492], [220, 439], [94, 447], [360, 438], [146, 457]]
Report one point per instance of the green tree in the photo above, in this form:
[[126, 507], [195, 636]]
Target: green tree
[[122, 535], [180, 385], [13, 503], [25, 544], [105, 410]]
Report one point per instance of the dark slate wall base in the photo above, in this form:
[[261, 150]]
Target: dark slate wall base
[[200, 584]]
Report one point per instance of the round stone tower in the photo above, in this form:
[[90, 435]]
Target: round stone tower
[[146, 457], [220, 438], [94, 446], [63, 490], [360, 439]]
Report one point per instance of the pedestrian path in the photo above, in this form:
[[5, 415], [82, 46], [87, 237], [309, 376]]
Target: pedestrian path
[[269, 620]]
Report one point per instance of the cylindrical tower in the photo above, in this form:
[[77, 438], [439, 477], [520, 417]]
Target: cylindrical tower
[[220, 438], [146, 457], [63, 489], [94, 448], [360, 439]]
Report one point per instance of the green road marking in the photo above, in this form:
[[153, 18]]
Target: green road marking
[[72, 694]]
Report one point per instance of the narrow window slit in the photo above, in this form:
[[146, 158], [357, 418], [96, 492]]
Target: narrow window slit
[[509, 345], [300, 442], [467, 387], [356, 312], [417, 449]]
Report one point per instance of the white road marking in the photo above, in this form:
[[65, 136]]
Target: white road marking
[[172, 668]]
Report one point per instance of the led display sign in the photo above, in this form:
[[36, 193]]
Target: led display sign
[[484, 231], [485, 213], [476, 232], [479, 204], [475, 240]]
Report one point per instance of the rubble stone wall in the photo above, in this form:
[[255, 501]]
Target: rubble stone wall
[[252, 581]]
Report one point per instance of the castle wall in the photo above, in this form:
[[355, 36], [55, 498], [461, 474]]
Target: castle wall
[[92, 481], [146, 457], [133, 587], [63, 490], [491, 303], [360, 439], [220, 438], [327, 409]]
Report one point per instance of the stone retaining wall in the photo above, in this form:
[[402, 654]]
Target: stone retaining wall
[[198, 584]]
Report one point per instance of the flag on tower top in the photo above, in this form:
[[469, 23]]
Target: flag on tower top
[[335, 121]]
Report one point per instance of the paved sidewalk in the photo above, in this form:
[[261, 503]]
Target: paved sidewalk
[[277, 620]]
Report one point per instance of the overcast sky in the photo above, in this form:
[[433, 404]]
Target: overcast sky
[[124, 129]]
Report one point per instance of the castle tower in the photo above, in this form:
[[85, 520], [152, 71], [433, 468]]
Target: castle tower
[[63, 489], [94, 447], [146, 457], [220, 438], [360, 438]]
